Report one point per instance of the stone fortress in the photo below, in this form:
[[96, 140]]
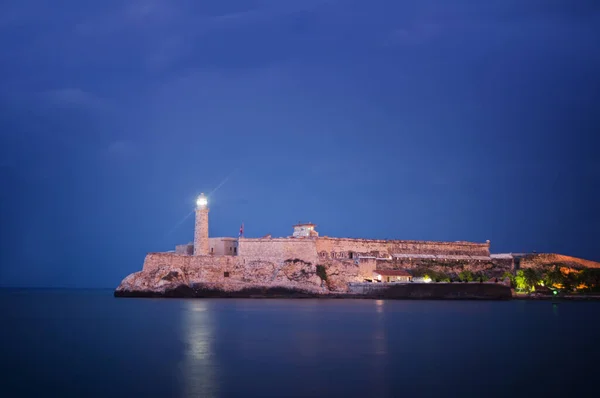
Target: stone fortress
[[316, 264]]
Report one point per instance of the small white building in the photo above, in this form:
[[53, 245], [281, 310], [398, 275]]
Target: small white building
[[223, 246], [217, 247], [392, 275], [303, 230]]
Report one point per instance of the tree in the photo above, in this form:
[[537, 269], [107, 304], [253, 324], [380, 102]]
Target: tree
[[511, 277], [434, 275], [466, 275], [531, 278], [590, 277], [520, 281], [554, 278]]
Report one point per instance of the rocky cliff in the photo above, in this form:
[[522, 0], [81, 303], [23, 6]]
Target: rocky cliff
[[167, 274], [174, 275]]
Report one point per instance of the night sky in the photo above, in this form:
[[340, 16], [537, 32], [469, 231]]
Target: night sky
[[435, 120]]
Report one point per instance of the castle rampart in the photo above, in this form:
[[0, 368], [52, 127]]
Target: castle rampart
[[278, 249], [313, 249], [343, 248]]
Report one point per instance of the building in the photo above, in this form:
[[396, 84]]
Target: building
[[223, 246], [392, 275], [421, 279], [304, 230]]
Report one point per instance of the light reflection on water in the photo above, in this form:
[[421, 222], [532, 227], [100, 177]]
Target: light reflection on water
[[198, 365]]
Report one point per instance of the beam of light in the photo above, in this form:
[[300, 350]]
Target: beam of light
[[209, 195], [179, 223], [223, 182]]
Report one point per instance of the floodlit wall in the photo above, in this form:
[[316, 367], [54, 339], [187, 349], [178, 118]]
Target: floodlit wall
[[342, 248], [278, 249]]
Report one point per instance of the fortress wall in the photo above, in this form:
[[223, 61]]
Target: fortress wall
[[172, 268], [505, 263], [366, 266], [341, 247], [206, 268], [222, 246], [278, 249], [212, 269], [440, 248], [546, 259], [157, 260]]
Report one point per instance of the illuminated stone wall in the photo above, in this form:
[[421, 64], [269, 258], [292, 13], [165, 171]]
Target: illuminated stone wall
[[156, 260], [278, 249], [164, 269], [366, 266], [223, 246], [342, 248]]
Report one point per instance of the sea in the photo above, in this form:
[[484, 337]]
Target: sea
[[86, 343]]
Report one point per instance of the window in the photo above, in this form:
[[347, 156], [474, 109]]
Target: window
[[211, 249], [350, 254], [235, 250], [226, 274]]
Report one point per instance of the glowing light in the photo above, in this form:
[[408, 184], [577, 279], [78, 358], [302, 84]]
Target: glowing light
[[201, 201]]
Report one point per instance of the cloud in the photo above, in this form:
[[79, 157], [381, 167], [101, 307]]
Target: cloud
[[72, 98]]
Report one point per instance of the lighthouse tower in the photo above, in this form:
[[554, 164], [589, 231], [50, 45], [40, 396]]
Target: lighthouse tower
[[201, 244]]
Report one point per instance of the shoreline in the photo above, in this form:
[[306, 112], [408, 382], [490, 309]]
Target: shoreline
[[502, 293], [377, 292]]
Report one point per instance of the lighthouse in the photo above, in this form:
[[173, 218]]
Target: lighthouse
[[201, 243]]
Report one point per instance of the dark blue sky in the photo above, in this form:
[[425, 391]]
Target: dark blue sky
[[441, 120]]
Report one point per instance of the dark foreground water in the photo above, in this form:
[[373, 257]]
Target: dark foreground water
[[89, 344]]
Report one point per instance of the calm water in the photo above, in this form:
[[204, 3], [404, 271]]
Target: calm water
[[89, 344]]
